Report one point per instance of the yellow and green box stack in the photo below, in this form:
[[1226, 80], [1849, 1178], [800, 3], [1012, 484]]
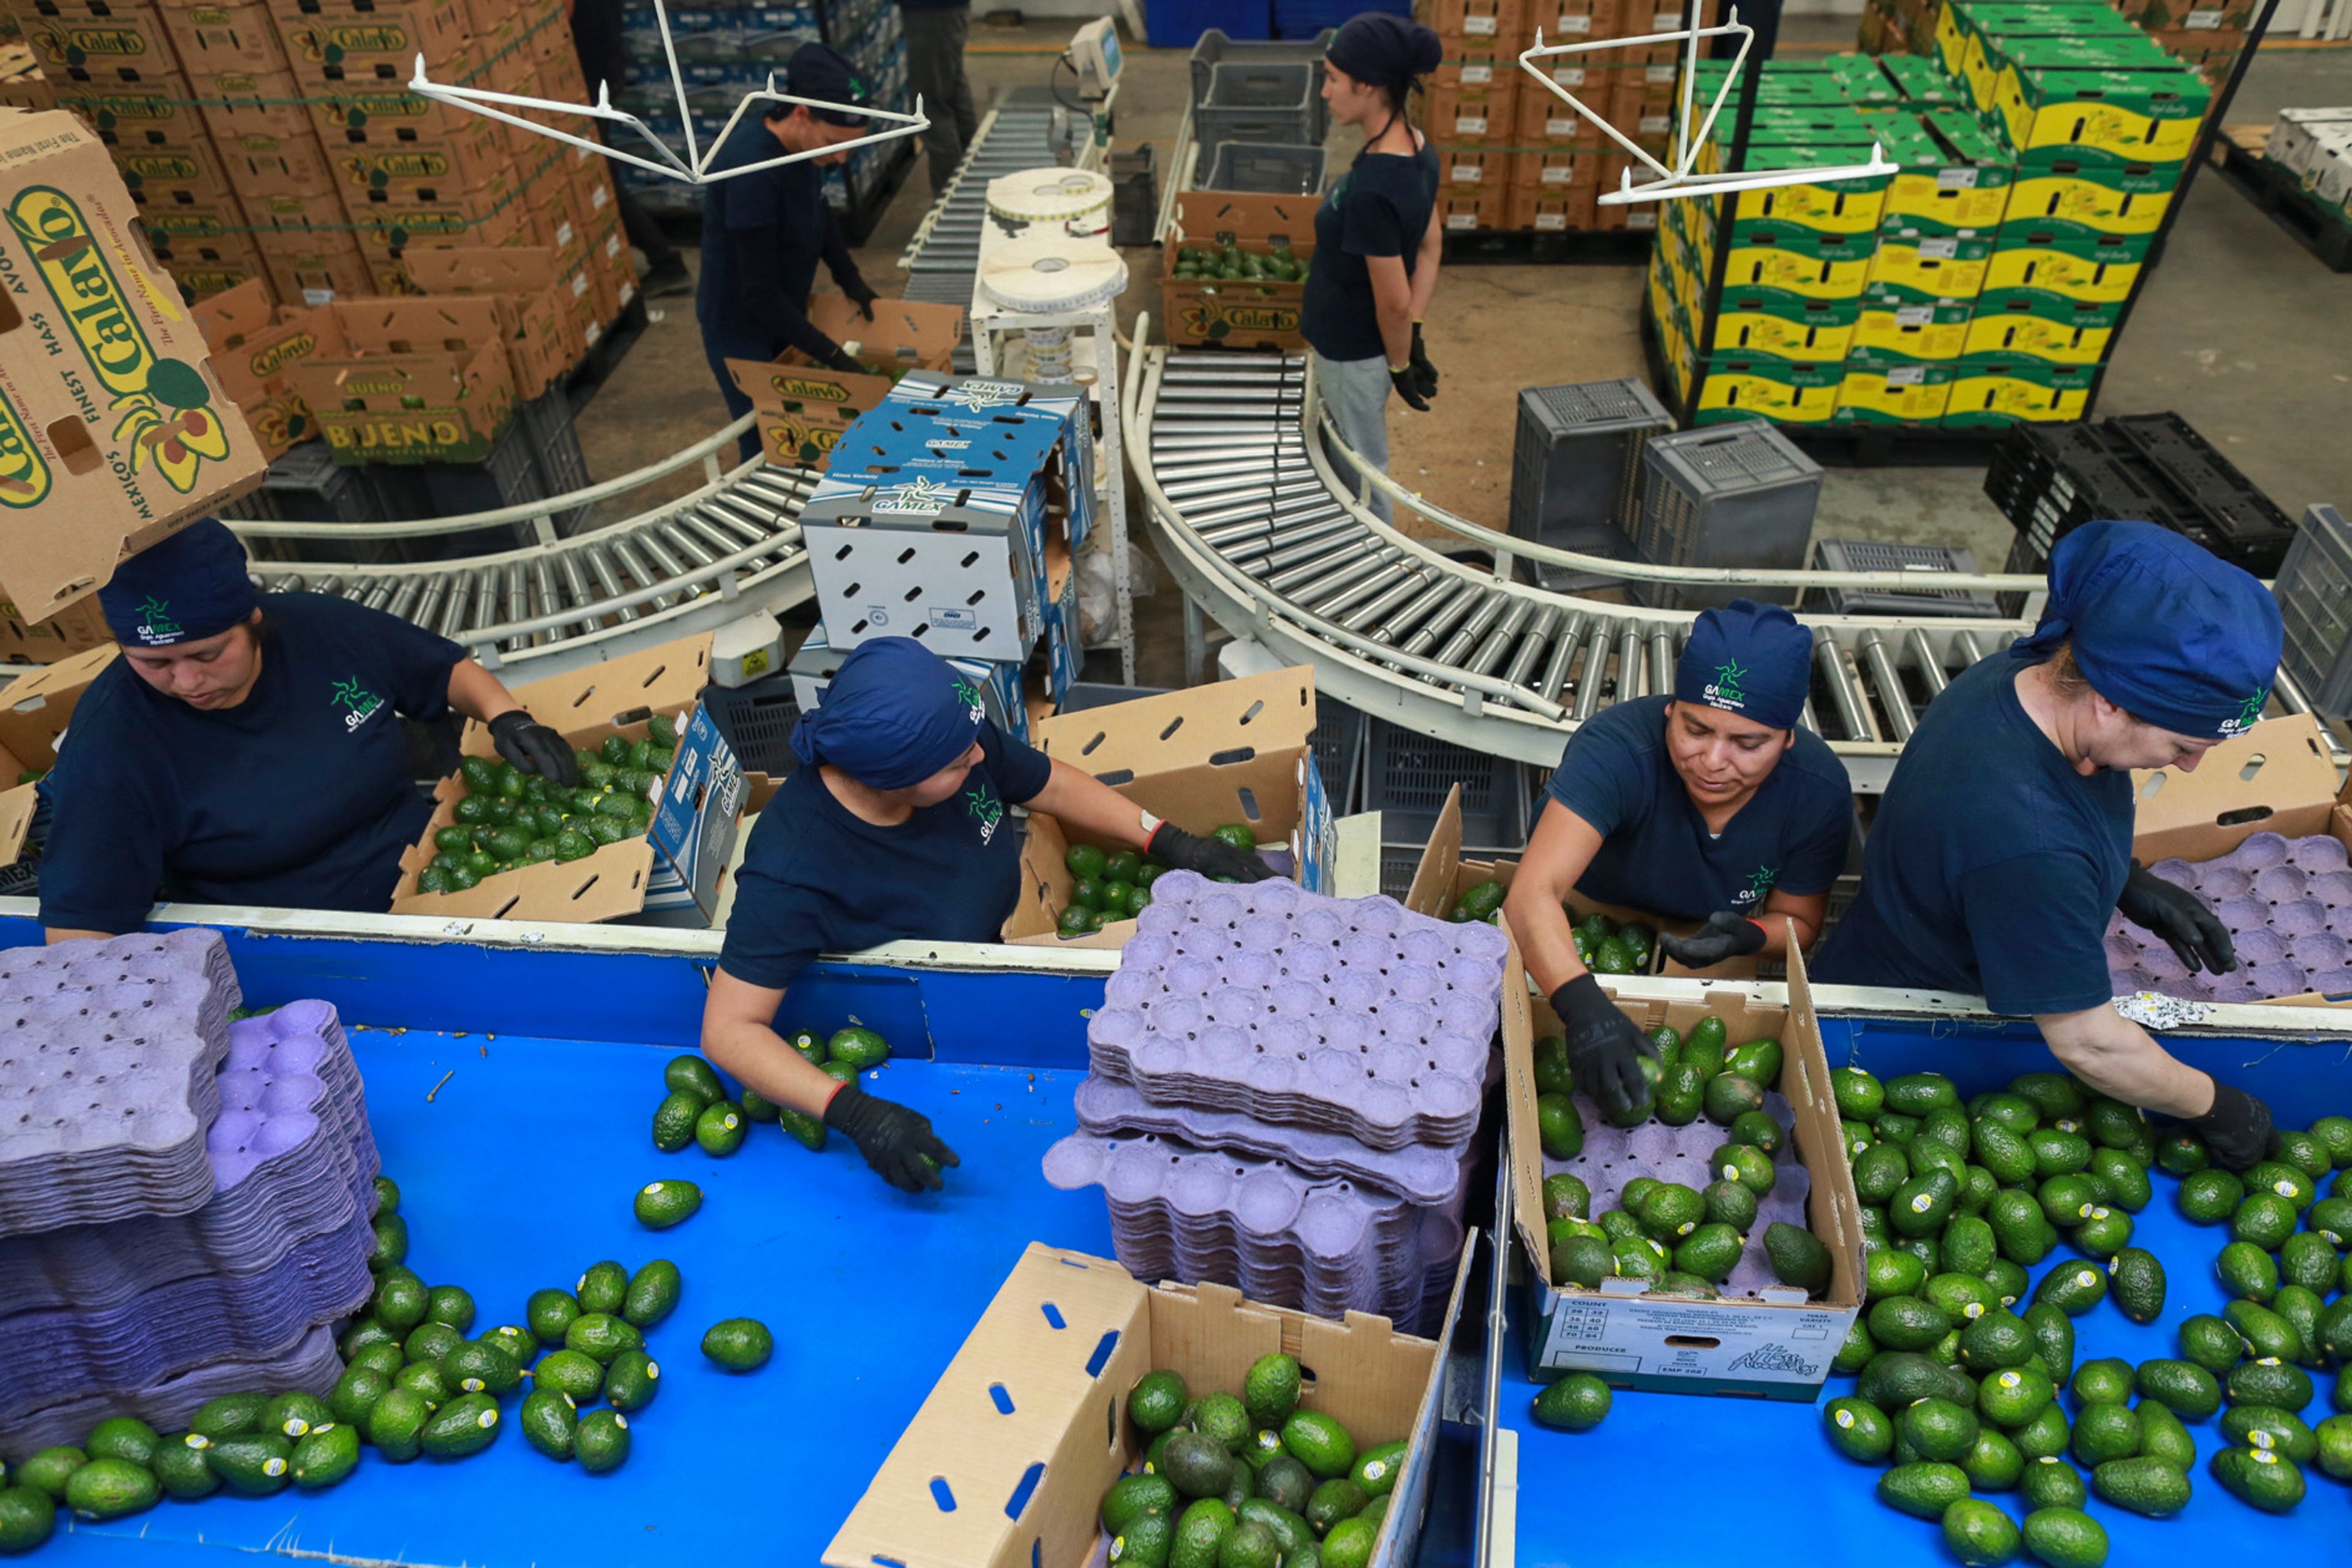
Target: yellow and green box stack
[[1983, 280]]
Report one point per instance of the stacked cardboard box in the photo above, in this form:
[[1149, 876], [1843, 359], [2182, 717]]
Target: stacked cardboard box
[[2313, 148], [1980, 283], [2207, 35]]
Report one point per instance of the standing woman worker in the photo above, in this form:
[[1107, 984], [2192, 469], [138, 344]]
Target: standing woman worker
[[246, 749], [1377, 240], [896, 826], [2003, 844]]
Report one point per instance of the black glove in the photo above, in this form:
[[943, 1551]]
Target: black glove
[[1407, 381], [2181, 917], [2237, 1129], [1212, 857], [1425, 372], [1724, 935], [533, 748], [860, 295], [1604, 1049], [847, 363], [898, 1143]]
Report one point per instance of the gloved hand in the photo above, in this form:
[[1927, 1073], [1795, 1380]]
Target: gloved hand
[[533, 748], [898, 1143], [1425, 372], [1724, 935], [1212, 857], [1604, 1049], [2193, 932], [1407, 381], [860, 295], [2237, 1129], [847, 363]]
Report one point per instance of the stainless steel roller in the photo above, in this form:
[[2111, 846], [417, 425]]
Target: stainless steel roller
[[1829, 659], [1662, 660], [1562, 657], [1630, 643], [608, 578], [633, 561], [1878, 664], [1924, 660], [1500, 641]]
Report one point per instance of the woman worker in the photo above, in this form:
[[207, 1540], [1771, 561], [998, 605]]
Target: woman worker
[[245, 748], [1377, 239], [1714, 804], [763, 232], [894, 827], [2003, 843]]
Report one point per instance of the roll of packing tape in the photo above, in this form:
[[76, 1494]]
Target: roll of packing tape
[[1048, 195], [1052, 272]]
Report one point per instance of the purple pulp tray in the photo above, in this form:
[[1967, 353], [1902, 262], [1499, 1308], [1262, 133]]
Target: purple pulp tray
[[2319, 853], [2287, 904], [310, 1363], [109, 1057], [1613, 1156]]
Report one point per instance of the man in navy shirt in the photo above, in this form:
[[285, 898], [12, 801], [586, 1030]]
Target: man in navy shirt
[[1715, 805], [896, 826], [246, 749], [763, 232], [2003, 843]]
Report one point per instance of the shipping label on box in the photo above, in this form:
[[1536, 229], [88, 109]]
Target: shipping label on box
[[1910, 330], [1885, 392]]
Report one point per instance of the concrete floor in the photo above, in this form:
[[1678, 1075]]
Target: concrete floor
[[2240, 331]]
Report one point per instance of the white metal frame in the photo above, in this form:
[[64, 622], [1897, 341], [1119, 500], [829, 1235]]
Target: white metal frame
[[1683, 179], [694, 169]]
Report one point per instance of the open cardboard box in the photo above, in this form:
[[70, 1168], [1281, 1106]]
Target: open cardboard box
[[1006, 1463], [413, 381], [804, 408], [1776, 1348], [1233, 751], [254, 345], [668, 876], [2277, 777], [1254, 313], [113, 431], [35, 711], [542, 341]]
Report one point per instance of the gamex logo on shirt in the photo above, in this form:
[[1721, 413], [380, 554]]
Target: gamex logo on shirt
[[1759, 882], [361, 704], [155, 622], [986, 810]]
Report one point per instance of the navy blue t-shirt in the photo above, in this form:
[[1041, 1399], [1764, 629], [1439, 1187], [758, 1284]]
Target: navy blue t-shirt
[[301, 796], [788, 200], [1992, 866], [817, 879], [1380, 206], [1655, 854]]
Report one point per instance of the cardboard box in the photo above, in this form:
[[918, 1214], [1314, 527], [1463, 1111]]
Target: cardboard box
[[1883, 392], [267, 158], [315, 269], [1232, 751], [2079, 263], [214, 36], [1994, 391], [1786, 325], [410, 167], [1487, 113], [523, 279], [254, 347], [1260, 314], [1064, 1435], [1752, 386], [1573, 21], [671, 876], [163, 179], [1463, 169], [104, 329], [1547, 122], [414, 381], [1899, 326], [1475, 66], [804, 406], [2042, 326], [1498, 21], [2148, 113], [35, 711], [76, 629], [134, 120], [1465, 209], [2095, 190], [1557, 169], [1552, 209], [107, 47], [335, 47]]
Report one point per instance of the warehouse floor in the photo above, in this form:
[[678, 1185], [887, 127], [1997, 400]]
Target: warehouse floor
[[2240, 331]]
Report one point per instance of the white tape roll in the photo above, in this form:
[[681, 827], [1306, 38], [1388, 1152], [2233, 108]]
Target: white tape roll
[[1048, 195], [1052, 272]]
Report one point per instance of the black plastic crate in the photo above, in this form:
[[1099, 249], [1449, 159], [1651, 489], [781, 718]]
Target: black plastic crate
[[1407, 775], [1927, 560], [2252, 530], [757, 722], [546, 422], [1265, 168], [1576, 470]]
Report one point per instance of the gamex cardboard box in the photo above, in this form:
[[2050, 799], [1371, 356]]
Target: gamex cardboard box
[[113, 431], [1005, 1464], [1231, 750]]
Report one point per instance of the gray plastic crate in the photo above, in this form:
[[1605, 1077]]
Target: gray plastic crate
[[1407, 775], [1723, 495], [757, 721], [1266, 101], [1576, 467], [1214, 47], [2314, 597], [1265, 168], [555, 452], [1873, 555]]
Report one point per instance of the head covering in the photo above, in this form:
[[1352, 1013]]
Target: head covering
[[190, 586], [818, 71], [1750, 659], [2161, 627], [895, 714], [1385, 50]]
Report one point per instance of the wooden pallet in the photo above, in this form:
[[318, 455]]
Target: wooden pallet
[[2238, 157]]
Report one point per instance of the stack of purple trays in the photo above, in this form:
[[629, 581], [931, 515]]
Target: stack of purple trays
[[1283, 1092], [118, 1295], [2288, 905]]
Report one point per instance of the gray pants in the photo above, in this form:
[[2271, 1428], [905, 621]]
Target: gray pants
[[935, 70], [1356, 392]]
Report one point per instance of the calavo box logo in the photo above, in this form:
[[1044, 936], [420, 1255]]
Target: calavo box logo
[[379, 169], [331, 43], [1213, 318], [76, 45], [163, 164], [164, 404], [807, 389], [23, 472], [267, 361]]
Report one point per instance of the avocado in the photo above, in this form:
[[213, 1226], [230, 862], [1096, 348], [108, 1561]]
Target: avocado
[[1201, 1531], [1320, 1443], [2268, 1381], [2105, 1432], [569, 1372], [1131, 1497], [2052, 1482], [548, 1420], [661, 1204], [364, 1335], [1938, 1429], [2260, 1478], [1681, 1094], [601, 1289], [2264, 1219], [2008, 1281], [1796, 1256], [2247, 1272], [1979, 1534], [2142, 1486], [2267, 1427], [1890, 1271], [1920, 1206], [2282, 1180], [1669, 1211], [1282, 1480], [1859, 1430], [674, 1120], [1576, 1403], [1730, 1202], [2334, 1447], [1924, 1488], [254, 1465], [326, 1456], [355, 1395], [1270, 1389], [652, 1293], [1963, 1298], [108, 1488], [424, 1379], [860, 1047], [1377, 1469], [1729, 1096], [431, 1342], [516, 1341], [1907, 1323], [1580, 1259], [693, 1075], [397, 1424], [1928, 1154], [2209, 1196], [1711, 1252], [180, 1469], [47, 1471], [1917, 1093], [2135, 1279], [1222, 1416], [1860, 1097], [2108, 1381], [1350, 1542], [1144, 1542], [2072, 1288], [633, 1381], [2065, 1537], [1336, 1499], [2162, 1436], [1993, 1340], [2124, 1179], [2014, 1396], [1896, 1378], [2211, 1343], [463, 1427], [476, 1366], [601, 1441], [2308, 1260], [1559, 1128], [738, 1344], [2103, 1232], [2183, 1388], [1746, 1164], [1758, 1061], [26, 1518], [549, 1312], [1857, 1352], [2020, 1228], [2002, 1151], [2046, 1435], [400, 1300], [2265, 1331], [1565, 1197], [1248, 1545], [601, 1336]]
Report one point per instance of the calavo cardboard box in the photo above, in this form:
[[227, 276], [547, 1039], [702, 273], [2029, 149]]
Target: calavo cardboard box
[[1233, 751], [1254, 313], [35, 711], [255, 347], [113, 432], [1028, 1426], [413, 381], [541, 340], [804, 406], [668, 876]]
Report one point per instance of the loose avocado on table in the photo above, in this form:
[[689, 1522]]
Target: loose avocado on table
[[738, 1344]]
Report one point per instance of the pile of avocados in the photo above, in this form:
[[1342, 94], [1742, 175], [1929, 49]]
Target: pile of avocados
[[1252, 1482], [1116, 885], [1966, 1383], [413, 1384], [695, 1109], [508, 818], [1231, 264]]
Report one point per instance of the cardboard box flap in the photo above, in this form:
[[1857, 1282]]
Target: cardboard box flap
[[36, 708], [483, 269], [1222, 724], [908, 333], [1432, 892], [1833, 1208], [1247, 219], [2277, 777], [608, 696], [17, 808], [231, 316], [452, 322]]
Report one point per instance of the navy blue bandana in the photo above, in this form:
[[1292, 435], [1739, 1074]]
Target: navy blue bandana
[[191, 587], [1750, 659], [895, 714]]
